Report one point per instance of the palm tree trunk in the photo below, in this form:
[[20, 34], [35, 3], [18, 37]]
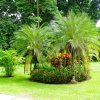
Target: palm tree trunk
[[28, 63], [35, 61]]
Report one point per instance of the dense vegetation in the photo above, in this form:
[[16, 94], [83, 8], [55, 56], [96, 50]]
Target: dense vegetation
[[14, 13], [74, 38], [55, 39]]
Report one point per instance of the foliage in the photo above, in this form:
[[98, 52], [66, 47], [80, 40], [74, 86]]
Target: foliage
[[74, 34], [79, 6], [61, 60], [29, 42], [8, 60], [19, 10], [15, 13], [45, 73], [91, 7], [48, 9], [30, 38], [62, 6], [94, 10], [25, 8], [24, 11], [78, 35], [7, 27], [46, 66]]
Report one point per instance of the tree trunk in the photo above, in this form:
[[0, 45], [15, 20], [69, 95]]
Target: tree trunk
[[35, 61], [38, 23], [28, 63]]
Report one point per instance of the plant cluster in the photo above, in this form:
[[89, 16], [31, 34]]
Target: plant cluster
[[66, 45], [48, 74], [61, 59], [8, 60], [72, 36]]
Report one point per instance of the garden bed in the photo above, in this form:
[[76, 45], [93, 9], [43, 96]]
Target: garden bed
[[52, 75]]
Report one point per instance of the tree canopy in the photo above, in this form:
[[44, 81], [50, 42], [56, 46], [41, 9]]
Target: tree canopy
[[14, 13]]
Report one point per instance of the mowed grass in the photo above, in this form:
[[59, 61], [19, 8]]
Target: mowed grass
[[21, 85]]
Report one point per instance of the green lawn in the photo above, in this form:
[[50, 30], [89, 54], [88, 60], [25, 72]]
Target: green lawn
[[20, 85]]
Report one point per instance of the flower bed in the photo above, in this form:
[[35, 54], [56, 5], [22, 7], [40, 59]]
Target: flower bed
[[46, 73]]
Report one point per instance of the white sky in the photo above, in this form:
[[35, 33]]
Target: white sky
[[98, 23]]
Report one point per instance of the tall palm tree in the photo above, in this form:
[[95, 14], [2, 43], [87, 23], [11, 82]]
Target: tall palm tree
[[78, 34], [29, 39]]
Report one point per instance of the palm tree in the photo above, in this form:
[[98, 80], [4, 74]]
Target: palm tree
[[78, 34], [29, 39]]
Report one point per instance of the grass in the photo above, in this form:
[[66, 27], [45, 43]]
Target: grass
[[20, 85]]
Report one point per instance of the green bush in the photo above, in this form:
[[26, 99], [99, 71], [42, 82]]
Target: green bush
[[8, 60], [49, 74]]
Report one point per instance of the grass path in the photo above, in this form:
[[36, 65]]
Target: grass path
[[20, 85]]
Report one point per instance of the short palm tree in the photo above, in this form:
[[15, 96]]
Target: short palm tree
[[29, 39], [78, 34]]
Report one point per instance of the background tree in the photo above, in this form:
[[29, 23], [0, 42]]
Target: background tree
[[7, 27], [19, 12], [62, 6], [94, 9], [14, 13], [75, 5], [48, 9], [91, 7], [8, 22]]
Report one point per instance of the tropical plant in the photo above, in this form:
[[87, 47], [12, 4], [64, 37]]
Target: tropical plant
[[8, 60], [78, 34], [61, 60], [29, 41]]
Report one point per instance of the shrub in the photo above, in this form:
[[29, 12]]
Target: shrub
[[8, 60], [61, 59], [50, 74]]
